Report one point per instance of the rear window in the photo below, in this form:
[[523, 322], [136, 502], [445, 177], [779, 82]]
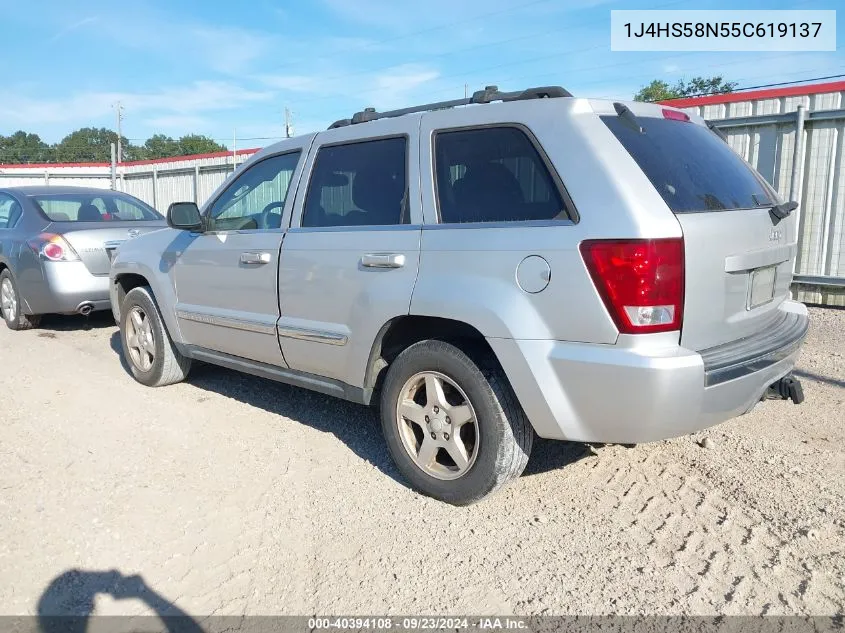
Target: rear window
[[86, 207], [691, 167]]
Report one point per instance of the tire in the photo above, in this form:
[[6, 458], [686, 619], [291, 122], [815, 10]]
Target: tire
[[496, 446], [11, 305], [154, 361]]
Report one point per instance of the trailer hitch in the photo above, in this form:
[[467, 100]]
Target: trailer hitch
[[787, 388]]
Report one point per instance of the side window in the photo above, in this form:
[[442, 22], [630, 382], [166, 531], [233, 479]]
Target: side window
[[359, 184], [256, 198], [493, 174], [10, 211], [127, 210], [100, 204]]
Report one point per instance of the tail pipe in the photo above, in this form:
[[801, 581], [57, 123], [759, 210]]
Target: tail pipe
[[85, 309], [787, 388]]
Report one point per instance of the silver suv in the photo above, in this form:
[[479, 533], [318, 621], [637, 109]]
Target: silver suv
[[580, 269]]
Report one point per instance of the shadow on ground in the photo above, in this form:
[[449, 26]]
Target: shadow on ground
[[67, 603], [357, 426], [70, 322], [836, 382]]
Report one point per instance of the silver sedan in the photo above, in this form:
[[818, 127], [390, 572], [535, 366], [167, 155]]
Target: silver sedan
[[56, 245]]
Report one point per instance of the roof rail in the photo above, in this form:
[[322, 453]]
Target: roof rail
[[489, 94]]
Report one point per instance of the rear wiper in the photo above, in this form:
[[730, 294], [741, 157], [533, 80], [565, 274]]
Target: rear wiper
[[629, 117], [777, 211], [717, 131], [782, 211]]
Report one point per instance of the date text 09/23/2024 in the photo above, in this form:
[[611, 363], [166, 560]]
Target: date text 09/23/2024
[[417, 623]]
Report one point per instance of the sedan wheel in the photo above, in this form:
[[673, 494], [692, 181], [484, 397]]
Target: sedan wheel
[[11, 305], [8, 300]]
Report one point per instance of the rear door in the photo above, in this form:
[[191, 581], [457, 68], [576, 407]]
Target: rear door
[[350, 259], [739, 258]]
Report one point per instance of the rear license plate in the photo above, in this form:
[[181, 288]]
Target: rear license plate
[[762, 286]]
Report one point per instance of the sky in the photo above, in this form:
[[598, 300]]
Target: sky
[[229, 69]]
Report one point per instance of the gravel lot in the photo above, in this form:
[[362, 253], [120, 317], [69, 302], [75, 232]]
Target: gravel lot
[[235, 495]]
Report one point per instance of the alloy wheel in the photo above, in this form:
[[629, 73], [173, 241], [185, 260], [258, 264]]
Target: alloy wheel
[[438, 425], [8, 300], [139, 339]]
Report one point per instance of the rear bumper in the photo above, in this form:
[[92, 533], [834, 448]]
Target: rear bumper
[[65, 287], [645, 388]]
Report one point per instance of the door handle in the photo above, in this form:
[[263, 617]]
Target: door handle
[[383, 260], [255, 258]]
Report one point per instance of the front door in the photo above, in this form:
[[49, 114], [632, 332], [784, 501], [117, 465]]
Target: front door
[[226, 277], [350, 260]]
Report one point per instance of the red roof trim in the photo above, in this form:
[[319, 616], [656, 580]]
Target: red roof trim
[[48, 165], [176, 159], [152, 161], [751, 95]]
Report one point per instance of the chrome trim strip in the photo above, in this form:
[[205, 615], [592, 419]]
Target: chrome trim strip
[[741, 358], [355, 229], [498, 225], [315, 336], [228, 322]]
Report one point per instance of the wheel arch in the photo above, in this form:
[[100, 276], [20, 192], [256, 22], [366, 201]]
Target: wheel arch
[[121, 285], [129, 278], [403, 331]]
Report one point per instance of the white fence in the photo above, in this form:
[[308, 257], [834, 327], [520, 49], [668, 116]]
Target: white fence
[[157, 183]]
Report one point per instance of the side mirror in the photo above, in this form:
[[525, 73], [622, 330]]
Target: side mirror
[[184, 216]]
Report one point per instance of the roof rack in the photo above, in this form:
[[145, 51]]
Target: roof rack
[[489, 94]]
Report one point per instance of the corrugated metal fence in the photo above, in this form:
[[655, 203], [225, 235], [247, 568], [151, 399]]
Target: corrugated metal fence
[[763, 131], [157, 183], [811, 171]]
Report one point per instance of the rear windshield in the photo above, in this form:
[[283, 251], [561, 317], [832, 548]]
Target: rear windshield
[[691, 167], [99, 207]]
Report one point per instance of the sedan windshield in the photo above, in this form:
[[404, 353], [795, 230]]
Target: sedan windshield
[[99, 207]]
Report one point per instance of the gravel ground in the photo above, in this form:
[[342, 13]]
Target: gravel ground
[[234, 495]]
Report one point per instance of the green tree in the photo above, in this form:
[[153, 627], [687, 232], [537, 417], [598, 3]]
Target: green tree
[[160, 146], [198, 144], [659, 90], [89, 145], [22, 147]]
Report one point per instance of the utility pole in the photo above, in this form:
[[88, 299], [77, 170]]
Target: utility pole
[[113, 168], [118, 107], [465, 90], [288, 124], [234, 149]]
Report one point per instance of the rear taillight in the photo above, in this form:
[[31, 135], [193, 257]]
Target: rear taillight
[[53, 248], [640, 281]]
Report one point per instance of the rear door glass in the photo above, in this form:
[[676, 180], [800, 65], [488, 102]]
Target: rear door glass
[[493, 174], [691, 168]]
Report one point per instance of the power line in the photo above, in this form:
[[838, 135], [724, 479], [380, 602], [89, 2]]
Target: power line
[[774, 85]]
